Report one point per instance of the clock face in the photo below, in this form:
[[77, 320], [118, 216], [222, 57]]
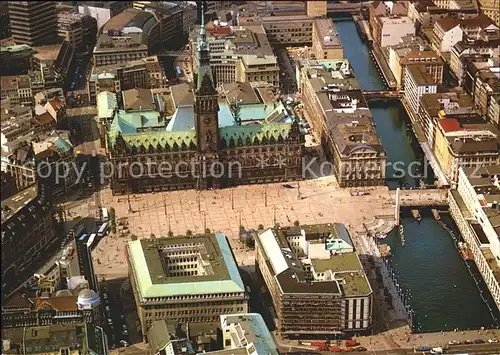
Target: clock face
[[207, 120]]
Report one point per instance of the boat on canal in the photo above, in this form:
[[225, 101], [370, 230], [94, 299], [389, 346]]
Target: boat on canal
[[436, 215], [416, 214], [465, 251]]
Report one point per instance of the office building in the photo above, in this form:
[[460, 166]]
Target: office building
[[33, 22], [102, 11], [325, 40], [185, 279], [16, 59], [388, 31], [79, 30], [412, 51], [316, 281], [341, 117], [246, 332], [144, 73], [462, 144], [418, 82]]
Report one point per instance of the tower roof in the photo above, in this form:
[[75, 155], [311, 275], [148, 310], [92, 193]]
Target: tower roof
[[204, 68]]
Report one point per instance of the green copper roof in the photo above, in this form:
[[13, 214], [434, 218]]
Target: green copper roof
[[153, 280], [253, 131]]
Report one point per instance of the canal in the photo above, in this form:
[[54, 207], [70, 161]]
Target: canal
[[444, 295]]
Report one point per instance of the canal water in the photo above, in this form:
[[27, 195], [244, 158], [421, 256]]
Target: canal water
[[444, 295]]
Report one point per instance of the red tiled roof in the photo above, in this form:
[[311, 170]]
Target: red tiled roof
[[220, 30], [450, 125], [56, 103]]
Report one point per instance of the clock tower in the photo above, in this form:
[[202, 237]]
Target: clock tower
[[206, 105]]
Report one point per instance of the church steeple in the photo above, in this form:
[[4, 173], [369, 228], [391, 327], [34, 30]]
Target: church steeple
[[203, 54]]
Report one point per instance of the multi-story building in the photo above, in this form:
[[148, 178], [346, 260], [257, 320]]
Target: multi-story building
[[388, 31], [418, 82], [408, 53], [232, 152], [170, 17], [426, 13], [343, 122], [55, 160], [386, 9], [434, 107], [238, 55], [7, 185], [57, 339], [468, 51], [494, 110], [4, 20], [246, 331], [145, 73], [491, 8], [79, 30], [316, 281], [316, 8], [53, 62], [449, 31], [119, 49], [102, 11], [185, 279], [465, 145], [16, 60], [325, 40], [33, 22], [27, 230], [474, 207], [486, 83]]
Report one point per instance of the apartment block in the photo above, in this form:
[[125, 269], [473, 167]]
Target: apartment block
[[315, 280], [469, 51], [316, 8]]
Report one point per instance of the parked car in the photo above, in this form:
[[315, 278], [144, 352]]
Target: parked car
[[468, 342], [110, 321], [492, 341], [124, 343], [479, 341], [454, 342], [105, 295]]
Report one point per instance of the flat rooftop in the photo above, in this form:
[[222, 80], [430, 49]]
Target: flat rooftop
[[150, 259], [420, 75], [347, 267], [47, 53], [13, 204], [327, 33], [130, 42]]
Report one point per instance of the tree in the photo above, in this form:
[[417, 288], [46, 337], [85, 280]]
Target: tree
[[189, 233], [133, 237], [152, 236], [207, 231], [296, 223], [242, 228], [112, 220], [170, 234], [260, 227]]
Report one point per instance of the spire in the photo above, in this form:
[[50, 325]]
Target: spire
[[203, 52]]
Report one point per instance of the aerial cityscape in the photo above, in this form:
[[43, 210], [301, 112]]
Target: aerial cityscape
[[250, 177]]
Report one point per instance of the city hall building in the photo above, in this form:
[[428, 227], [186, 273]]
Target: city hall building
[[202, 145]]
